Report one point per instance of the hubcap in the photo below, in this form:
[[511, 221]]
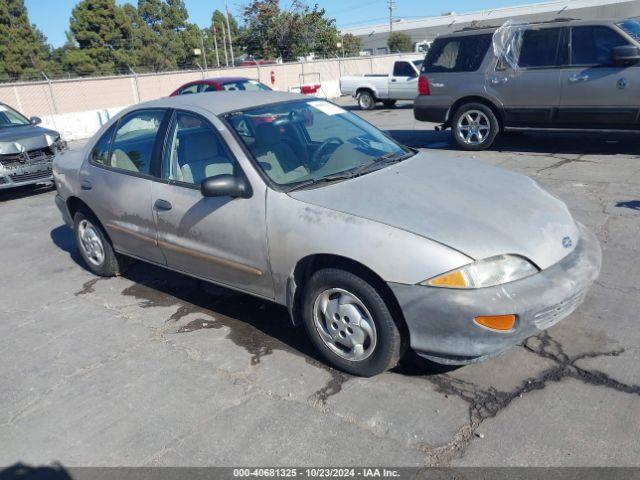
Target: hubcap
[[365, 101], [473, 127], [344, 324], [90, 243]]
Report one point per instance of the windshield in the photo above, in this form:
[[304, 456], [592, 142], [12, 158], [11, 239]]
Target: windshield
[[10, 118], [248, 85], [632, 27], [311, 141]]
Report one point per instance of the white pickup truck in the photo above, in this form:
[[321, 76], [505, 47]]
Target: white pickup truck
[[400, 84]]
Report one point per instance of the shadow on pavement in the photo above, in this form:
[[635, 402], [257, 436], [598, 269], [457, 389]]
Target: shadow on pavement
[[20, 471], [547, 143], [17, 193], [63, 238]]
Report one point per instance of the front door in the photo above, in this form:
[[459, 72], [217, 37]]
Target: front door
[[596, 93], [221, 239], [404, 81], [117, 182], [530, 94]]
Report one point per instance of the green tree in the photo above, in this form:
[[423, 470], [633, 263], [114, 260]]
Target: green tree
[[299, 31], [103, 37], [399, 42], [351, 45], [23, 50]]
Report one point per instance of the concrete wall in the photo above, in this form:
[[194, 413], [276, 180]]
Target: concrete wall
[[77, 108]]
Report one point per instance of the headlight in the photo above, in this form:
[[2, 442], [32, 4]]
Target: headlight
[[486, 273]]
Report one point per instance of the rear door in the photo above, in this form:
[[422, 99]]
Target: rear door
[[595, 92], [221, 239], [403, 82], [117, 179], [530, 94]]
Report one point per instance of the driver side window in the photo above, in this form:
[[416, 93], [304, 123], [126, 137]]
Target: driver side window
[[195, 151]]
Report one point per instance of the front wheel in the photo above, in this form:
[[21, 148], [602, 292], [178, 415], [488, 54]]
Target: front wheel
[[350, 324], [95, 248], [474, 127], [366, 100]]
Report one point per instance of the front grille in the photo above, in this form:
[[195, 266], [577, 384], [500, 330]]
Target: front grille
[[34, 156], [25, 177], [552, 315]]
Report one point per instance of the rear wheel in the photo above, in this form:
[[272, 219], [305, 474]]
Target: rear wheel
[[94, 246], [474, 127], [366, 100], [389, 103], [350, 324]]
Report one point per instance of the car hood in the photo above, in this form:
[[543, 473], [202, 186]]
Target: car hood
[[477, 209], [23, 139]]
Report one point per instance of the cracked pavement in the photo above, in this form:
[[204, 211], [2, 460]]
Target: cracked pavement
[[154, 368]]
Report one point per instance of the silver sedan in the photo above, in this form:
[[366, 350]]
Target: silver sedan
[[374, 247]]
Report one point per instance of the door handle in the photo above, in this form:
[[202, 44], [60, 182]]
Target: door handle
[[393, 80], [577, 77], [86, 185], [162, 205], [499, 80]]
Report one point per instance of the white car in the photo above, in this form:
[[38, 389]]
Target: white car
[[400, 84]]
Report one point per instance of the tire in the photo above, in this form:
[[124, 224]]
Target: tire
[[95, 248], [337, 304], [389, 103], [474, 127], [366, 101]]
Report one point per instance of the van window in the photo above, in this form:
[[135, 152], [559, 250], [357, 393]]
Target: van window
[[457, 54], [539, 48], [594, 45]]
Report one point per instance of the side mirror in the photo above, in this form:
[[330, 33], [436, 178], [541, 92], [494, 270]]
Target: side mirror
[[625, 55], [225, 186], [35, 120]]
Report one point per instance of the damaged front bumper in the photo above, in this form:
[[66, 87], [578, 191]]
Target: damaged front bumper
[[441, 321], [28, 168]]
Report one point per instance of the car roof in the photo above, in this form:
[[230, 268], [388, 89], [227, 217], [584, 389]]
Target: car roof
[[223, 80], [559, 22], [221, 102]]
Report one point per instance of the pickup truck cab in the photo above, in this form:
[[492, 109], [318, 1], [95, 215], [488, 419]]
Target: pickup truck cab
[[400, 84]]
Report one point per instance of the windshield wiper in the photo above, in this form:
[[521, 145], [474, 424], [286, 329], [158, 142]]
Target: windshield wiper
[[380, 162], [319, 181]]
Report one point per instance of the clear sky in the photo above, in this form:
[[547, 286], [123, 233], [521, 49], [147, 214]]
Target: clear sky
[[52, 16]]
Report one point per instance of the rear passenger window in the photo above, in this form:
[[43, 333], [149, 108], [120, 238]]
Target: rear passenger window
[[134, 141], [457, 54], [189, 89], [100, 153], [594, 45], [403, 69], [539, 48]]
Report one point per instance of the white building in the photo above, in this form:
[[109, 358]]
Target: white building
[[426, 29]]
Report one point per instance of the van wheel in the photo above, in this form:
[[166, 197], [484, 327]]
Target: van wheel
[[366, 100], [95, 248], [474, 127], [389, 103], [350, 324]]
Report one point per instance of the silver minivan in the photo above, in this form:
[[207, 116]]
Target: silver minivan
[[565, 75], [372, 246]]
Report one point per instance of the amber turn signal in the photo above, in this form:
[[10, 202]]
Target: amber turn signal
[[497, 322]]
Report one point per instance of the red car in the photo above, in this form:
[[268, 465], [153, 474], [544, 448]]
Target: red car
[[219, 85]]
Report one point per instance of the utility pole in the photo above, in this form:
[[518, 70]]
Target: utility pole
[[224, 45], [392, 6], [226, 15]]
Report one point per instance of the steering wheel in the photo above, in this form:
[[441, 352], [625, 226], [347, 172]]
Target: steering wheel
[[316, 161]]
